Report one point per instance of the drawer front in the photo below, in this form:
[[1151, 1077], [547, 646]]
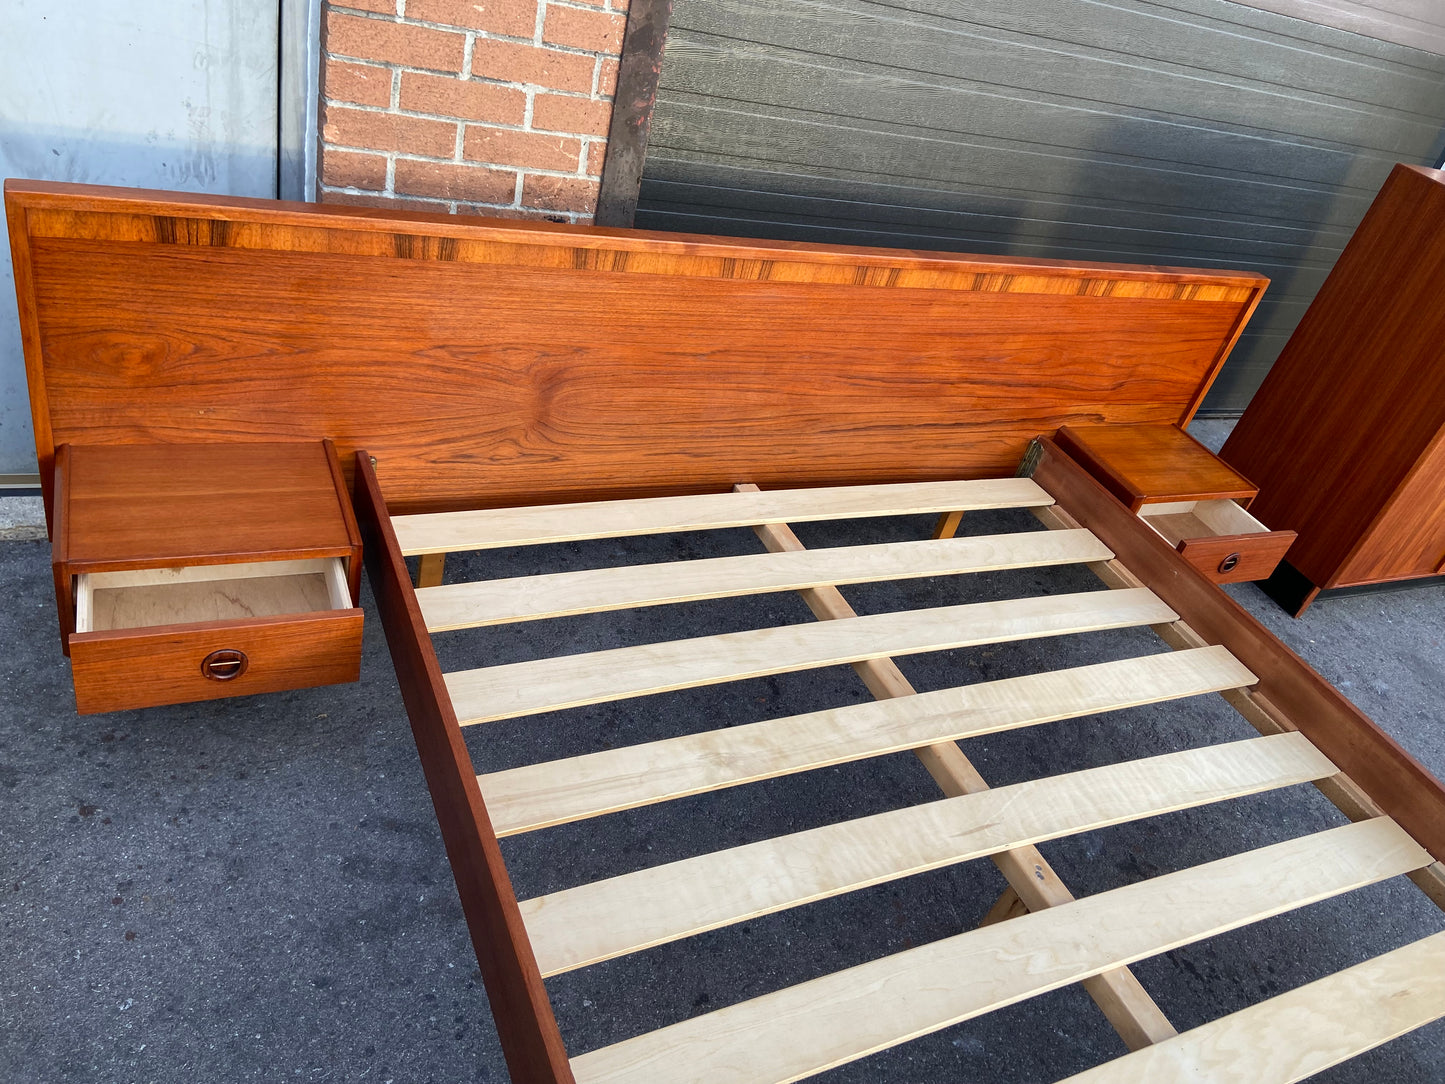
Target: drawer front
[[1237, 558], [141, 668]]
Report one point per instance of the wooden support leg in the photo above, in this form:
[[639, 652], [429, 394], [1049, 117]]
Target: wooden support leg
[[429, 570], [1007, 906], [947, 525], [1128, 1006]]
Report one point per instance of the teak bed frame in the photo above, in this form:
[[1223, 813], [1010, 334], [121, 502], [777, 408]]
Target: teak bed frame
[[514, 385]]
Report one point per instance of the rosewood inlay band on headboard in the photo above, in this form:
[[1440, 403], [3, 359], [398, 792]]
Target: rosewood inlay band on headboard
[[487, 362]]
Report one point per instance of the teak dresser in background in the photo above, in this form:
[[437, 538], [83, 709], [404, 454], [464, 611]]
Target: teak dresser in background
[[1346, 438]]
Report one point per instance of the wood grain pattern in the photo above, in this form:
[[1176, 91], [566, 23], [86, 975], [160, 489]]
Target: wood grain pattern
[[1116, 991], [128, 668], [207, 600], [1292, 1037], [1237, 558], [1400, 785], [1198, 519], [1219, 538], [451, 532], [1232, 136], [526, 688], [60, 547], [594, 922], [431, 569], [841, 1017], [1145, 463], [555, 792], [639, 68], [162, 506], [348, 519], [531, 1042], [1346, 436], [754, 360], [1255, 708], [528, 598]]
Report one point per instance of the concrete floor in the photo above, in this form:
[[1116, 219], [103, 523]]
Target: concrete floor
[[255, 889]]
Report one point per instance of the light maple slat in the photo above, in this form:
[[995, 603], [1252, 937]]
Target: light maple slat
[[620, 915], [1126, 1004], [528, 598], [1296, 1035], [559, 791], [525, 688], [805, 1029], [450, 532]]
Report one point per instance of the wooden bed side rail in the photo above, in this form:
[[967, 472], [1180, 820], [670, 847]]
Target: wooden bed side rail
[[525, 1023], [1394, 780]]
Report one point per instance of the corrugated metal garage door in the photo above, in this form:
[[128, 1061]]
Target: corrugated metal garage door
[[1185, 131]]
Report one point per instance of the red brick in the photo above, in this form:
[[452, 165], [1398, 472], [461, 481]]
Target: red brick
[[559, 193], [381, 7], [445, 180], [514, 62], [619, 5], [345, 169], [394, 43], [559, 113], [597, 31], [389, 132], [596, 155], [517, 18], [525, 149], [607, 78], [447, 97], [357, 83]]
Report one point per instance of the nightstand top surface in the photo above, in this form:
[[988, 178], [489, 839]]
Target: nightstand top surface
[[156, 505], [1146, 464]]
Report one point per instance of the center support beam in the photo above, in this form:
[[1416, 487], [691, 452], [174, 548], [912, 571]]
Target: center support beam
[[1121, 997]]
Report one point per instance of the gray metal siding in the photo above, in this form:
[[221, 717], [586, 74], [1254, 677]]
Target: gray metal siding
[[1186, 132]]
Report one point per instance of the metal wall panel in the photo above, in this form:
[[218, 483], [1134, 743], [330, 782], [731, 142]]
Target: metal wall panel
[[1185, 131], [181, 95]]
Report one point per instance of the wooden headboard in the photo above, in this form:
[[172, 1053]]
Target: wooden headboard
[[496, 362]]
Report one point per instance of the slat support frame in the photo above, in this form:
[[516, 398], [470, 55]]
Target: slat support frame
[[1118, 993], [1256, 706], [1069, 482]]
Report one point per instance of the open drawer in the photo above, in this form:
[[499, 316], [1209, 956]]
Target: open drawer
[[1219, 538], [146, 637]]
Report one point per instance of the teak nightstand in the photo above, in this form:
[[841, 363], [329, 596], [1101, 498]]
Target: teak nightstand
[[197, 571], [1187, 494]]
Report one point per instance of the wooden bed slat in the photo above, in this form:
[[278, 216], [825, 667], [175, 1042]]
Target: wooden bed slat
[[804, 1029], [528, 598], [525, 688], [620, 915], [1296, 1035], [559, 791], [452, 532], [1399, 783], [1119, 995]]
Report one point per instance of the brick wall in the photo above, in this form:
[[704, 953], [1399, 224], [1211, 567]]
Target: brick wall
[[494, 107]]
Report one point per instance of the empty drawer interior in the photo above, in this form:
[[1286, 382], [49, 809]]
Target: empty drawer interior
[[1183, 520], [176, 596]]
